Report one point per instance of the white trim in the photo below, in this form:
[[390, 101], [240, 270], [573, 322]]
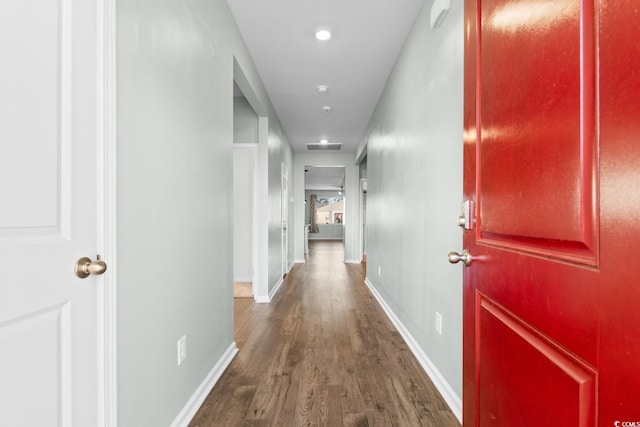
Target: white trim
[[261, 285], [243, 279], [323, 187], [352, 261], [361, 250], [453, 400], [268, 298], [107, 231], [189, 411], [275, 289], [291, 267], [245, 145], [255, 222], [300, 261], [261, 299], [284, 218], [326, 238]]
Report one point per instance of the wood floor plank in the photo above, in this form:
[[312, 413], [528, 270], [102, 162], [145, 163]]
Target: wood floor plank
[[323, 353], [329, 406]]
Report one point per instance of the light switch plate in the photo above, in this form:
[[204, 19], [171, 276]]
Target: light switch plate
[[182, 349], [439, 323]]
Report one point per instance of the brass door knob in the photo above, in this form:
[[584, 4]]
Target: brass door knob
[[465, 257], [85, 267]]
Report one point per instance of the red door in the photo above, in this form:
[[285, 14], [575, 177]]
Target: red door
[[552, 163]]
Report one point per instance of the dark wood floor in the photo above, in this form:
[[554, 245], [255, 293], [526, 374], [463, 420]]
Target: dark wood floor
[[322, 353]]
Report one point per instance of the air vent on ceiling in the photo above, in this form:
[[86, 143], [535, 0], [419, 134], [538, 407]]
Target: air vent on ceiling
[[324, 147]]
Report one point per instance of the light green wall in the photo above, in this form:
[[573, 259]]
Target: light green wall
[[414, 172], [363, 168], [245, 122], [175, 131], [243, 183]]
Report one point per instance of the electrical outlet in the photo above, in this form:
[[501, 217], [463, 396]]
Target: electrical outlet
[[439, 323], [182, 349]]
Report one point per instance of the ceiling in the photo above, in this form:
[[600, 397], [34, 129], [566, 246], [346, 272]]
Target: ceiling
[[355, 63]]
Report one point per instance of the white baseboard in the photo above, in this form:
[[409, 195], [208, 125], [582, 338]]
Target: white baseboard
[[290, 267], [243, 279], [189, 411], [352, 261], [453, 400], [300, 261], [267, 299], [337, 239], [262, 299], [275, 289]]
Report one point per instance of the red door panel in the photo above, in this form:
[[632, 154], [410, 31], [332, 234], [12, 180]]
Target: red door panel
[[537, 175], [552, 162], [530, 72], [562, 392]]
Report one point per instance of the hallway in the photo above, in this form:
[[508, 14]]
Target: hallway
[[322, 353]]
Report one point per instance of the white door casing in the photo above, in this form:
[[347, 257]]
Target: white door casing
[[285, 220], [52, 188], [363, 218]]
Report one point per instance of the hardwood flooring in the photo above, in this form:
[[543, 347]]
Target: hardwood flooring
[[323, 353], [242, 290]]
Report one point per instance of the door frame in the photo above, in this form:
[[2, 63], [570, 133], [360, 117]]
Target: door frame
[[284, 219], [106, 209], [361, 231], [261, 230]]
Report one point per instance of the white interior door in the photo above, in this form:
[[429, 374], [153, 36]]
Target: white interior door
[[285, 219], [50, 344]]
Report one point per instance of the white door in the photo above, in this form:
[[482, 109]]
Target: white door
[[285, 219], [50, 345], [363, 218]]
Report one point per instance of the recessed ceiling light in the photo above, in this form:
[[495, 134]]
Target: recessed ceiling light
[[322, 89], [323, 33], [326, 109], [324, 141]]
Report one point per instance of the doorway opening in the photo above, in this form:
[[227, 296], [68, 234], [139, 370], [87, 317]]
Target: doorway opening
[[245, 157], [324, 203]]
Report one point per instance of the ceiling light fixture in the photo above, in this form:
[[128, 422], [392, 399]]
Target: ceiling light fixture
[[323, 33], [324, 141], [326, 109], [323, 89]]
